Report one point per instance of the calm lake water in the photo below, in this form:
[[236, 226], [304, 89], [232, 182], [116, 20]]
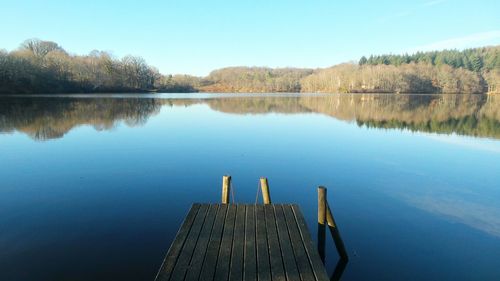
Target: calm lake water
[[96, 188]]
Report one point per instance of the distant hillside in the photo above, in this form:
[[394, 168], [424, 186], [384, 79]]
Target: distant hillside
[[485, 62], [406, 78], [45, 67], [255, 79]]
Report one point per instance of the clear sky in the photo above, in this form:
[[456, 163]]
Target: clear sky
[[195, 37]]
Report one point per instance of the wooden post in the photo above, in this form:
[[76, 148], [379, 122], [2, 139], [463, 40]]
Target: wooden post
[[226, 185], [334, 230], [322, 205], [266, 197]]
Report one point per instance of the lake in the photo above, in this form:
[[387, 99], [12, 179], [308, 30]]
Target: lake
[[95, 187]]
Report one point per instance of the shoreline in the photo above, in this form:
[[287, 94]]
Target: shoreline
[[90, 94]]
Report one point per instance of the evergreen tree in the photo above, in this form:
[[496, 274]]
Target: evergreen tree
[[477, 63], [363, 60]]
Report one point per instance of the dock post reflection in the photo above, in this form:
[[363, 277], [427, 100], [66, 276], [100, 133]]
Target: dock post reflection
[[321, 221], [339, 269], [325, 216], [334, 230]]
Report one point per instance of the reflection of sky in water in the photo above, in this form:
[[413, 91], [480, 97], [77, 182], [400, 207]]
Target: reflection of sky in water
[[404, 201], [470, 197], [471, 143]]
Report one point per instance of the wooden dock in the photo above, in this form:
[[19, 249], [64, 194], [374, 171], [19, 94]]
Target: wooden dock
[[243, 242]]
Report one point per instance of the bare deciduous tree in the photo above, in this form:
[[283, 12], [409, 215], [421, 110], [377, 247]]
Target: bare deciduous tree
[[40, 48]]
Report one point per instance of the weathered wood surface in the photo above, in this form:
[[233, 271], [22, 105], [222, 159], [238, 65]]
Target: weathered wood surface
[[243, 242]]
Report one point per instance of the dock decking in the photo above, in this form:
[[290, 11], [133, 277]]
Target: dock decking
[[243, 242]]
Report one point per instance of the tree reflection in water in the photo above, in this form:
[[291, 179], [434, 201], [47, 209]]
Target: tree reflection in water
[[45, 118]]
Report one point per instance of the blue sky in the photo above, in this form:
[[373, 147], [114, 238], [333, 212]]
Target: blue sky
[[196, 37]]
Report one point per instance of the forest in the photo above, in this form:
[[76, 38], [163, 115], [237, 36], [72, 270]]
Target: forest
[[45, 67], [39, 67]]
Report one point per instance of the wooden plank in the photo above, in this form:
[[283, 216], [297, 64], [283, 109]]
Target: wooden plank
[[291, 271], [201, 246], [224, 259], [316, 263], [179, 271], [174, 250], [263, 266], [243, 243], [208, 268], [300, 253], [236, 273], [275, 259], [250, 260]]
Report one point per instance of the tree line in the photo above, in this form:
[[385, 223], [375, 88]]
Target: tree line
[[407, 78], [256, 79], [477, 59], [485, 62], [45, 67]]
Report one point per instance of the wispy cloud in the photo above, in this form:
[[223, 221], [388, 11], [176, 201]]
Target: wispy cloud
[[411, 11], [468, 41], [401, 14], [433, 3]]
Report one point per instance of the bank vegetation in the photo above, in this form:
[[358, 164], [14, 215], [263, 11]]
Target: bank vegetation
[[45, 67]]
